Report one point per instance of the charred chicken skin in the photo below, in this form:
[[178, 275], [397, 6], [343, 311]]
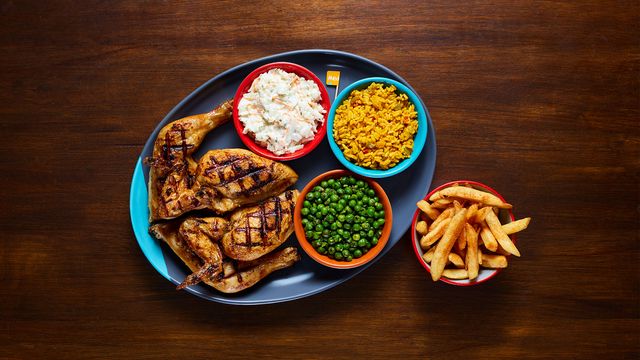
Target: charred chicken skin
[[257, 230]]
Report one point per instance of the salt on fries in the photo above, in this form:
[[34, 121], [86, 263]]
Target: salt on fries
[[460, 232]]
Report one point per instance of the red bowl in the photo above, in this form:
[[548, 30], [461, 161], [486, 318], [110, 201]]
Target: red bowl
[[244, 87], [506, 216]]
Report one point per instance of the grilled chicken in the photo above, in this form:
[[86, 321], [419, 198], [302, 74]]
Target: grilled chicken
[[237, 177], [222, 180], [202, 236], [233, 276], [257, 230], [172, 185]]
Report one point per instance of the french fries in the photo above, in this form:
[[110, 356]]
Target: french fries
[[440, 256], [461, 233]]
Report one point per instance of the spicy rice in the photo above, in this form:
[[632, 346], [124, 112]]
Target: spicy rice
[[375, 127]]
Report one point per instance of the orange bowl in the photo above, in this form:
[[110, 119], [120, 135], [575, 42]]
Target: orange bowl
[[325, 260]]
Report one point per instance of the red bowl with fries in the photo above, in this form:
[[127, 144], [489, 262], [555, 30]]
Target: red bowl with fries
[[442, 204]]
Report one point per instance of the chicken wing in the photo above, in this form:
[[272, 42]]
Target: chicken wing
[[202, 236], [257, 230], [248, 274]]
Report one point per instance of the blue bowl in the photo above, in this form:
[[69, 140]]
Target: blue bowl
[[418, 142]]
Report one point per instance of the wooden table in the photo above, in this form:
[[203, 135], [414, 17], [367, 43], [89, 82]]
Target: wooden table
[[539, 100]]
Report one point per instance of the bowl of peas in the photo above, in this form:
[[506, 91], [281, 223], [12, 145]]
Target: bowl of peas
[[342, 220]]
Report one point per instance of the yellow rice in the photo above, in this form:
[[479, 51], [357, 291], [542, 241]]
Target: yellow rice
[[375, 127]]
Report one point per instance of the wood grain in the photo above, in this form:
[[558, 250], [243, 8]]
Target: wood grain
[[540, 100]]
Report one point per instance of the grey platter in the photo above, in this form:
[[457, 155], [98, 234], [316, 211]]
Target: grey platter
[[306, 277]]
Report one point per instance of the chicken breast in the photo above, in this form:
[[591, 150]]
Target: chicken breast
[[236, 177], [257, 230]]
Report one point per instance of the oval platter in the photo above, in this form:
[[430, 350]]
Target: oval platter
[[306, 277]]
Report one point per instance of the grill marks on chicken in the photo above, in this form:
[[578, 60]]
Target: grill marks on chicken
[[172, 185], [237, 177], [257, 230]]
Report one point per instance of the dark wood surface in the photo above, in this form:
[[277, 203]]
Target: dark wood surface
[[540, 100]]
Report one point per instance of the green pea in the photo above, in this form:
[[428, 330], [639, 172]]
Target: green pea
[[368, 245], [357, 254], [324, 211], [357, 227], [356, 237], [304, 211], [374, 242], [351, 180], [340, 208], [349, 258], [357, 208], [330, 218], [347, 226], [359, 183], [346, 235], [346, 253], [310, 196], [331, 250], [359, 194], [352, 203], [322, 250], [365, 226], [306, 203], [319, 227], [339, 224], [348, 191], [347, 210], [338, 256], [371, 212], [316, 235], [371, 192], [341, 218], [324, 184], [332, 241], [349, 218], [339, 247], [362, 243], [380, 214], [365, 199], [370, 234], [340, 191]]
